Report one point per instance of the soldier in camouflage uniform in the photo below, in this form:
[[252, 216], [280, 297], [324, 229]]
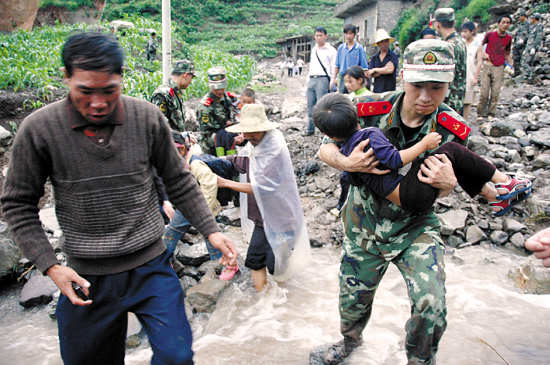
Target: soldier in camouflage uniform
[[444, 25], [151, 47], [218, 109], [378, 231], [520, 40], [536, 36], [169, 98]]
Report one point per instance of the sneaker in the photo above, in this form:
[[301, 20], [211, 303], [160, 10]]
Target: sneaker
[[229, 272], [333, 354]]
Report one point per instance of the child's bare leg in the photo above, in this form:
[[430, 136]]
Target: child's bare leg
[[394, 196], [259, 278]]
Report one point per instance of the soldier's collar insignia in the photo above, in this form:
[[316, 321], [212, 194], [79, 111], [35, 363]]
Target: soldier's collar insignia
[[429, 58]]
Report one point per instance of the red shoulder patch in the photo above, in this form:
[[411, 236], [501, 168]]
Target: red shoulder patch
[[456, 127], [230, 94], [171, 92], [208, 102], [373, 108]]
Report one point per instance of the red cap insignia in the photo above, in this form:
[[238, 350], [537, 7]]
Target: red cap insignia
[[456, 127]]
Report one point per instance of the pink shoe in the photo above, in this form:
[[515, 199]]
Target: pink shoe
[[229, 272]]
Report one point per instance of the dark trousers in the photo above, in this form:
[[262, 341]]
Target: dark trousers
[[96, 334], [472, 172]]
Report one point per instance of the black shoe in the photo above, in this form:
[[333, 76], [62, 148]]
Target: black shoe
[[333, 354]]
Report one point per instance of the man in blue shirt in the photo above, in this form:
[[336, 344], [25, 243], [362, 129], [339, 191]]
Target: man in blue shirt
[[383, 65], [350, 53]]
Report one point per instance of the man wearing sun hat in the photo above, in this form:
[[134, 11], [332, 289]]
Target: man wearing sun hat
[[378, 232], [280, 240], [169, 98], [383, 65], [444, 25], [218, 109]]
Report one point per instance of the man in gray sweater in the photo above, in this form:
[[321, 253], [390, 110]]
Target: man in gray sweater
[[98, 148]]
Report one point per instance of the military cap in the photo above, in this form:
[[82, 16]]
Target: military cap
[[536, 16], [522, 12], [428, 60], [183, 66], [217, 78], [444, 15]]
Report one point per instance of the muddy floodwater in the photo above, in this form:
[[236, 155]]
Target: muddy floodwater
[[487, 319]]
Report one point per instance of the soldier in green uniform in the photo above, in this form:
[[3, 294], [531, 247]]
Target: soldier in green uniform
[[169, 98], [152, 47], [378, 231], [536, 36], [520, 41], [444, 25], [218, 109]]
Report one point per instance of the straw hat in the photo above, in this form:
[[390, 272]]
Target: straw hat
[[253, 119], [382, 35]]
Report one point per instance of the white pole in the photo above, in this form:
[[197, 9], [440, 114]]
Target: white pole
[[166, 42]]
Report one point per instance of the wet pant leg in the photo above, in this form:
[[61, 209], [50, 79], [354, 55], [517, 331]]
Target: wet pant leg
[[360, 274], [423, 268]]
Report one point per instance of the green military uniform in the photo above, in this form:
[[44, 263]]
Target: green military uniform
[[378, 231], [457, 89], [520, 41], [534, 41], [169, 99], [212, 115]]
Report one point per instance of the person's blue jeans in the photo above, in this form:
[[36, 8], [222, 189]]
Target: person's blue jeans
[[96, 334], [177, 227], [316, 88], [342, 85]]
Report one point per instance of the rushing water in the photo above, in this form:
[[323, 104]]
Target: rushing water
[[281, 324]]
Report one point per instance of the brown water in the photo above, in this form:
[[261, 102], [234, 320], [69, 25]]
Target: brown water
[[280, 325]]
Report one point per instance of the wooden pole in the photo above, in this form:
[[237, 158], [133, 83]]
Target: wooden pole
[[166, 41]]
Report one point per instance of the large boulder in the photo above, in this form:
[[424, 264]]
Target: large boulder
[[17, 14], [9, 253], [203, 297], [38, 290], [452, 220]]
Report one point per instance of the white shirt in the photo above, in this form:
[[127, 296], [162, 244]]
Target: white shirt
[[327, 55]]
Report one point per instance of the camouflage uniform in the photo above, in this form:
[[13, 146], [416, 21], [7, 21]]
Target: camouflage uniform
[[151, 49], [520, 40], [214, 114], [536, 35], [457, 89], [169, 98], [378, 232]]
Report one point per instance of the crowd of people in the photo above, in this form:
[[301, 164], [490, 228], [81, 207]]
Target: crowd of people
[[130, 178]]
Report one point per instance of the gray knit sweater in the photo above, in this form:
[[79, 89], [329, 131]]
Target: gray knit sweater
[[106, 203]]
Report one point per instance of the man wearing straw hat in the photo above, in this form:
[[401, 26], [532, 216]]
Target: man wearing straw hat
[[379, 232], [279, 240], [383, 65]]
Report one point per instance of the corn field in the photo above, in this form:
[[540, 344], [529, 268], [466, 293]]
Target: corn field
[[32, 60]]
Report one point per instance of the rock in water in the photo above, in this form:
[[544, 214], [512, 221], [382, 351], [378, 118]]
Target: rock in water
[[38, 290], [203, 297]]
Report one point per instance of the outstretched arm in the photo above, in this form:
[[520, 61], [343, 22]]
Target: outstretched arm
[[429, 142], [234, 185]]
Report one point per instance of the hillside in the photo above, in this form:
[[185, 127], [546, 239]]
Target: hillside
[[237, 26]]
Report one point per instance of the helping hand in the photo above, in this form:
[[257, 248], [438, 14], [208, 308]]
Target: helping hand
[[540, 244], [438, 172], [360, 161], [226, 246]]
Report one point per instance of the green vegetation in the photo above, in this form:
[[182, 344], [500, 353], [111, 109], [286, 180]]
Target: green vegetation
[[33, 60], [236, 26], [413, 20], [69, 4], [542, 8], [475, 7]]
